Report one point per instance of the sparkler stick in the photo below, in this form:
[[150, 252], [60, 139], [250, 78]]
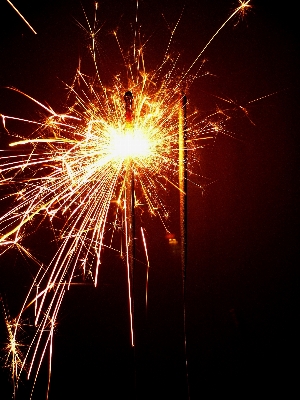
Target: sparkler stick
[[129, 209], [182, 175], [183, 183]]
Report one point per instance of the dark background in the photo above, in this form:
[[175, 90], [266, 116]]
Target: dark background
[[243, 252]]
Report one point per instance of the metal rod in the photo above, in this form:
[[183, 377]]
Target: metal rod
[[182, 177], [183, 183], [129, 213]]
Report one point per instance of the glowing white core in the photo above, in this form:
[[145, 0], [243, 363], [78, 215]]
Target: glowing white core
[[133, 143]]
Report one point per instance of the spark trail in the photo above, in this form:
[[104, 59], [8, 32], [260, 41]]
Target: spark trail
[[18, 12], [74, 172]]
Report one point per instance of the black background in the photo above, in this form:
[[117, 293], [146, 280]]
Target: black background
[[243, 252]]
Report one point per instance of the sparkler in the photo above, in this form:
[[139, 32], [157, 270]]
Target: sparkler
[[83, 169]]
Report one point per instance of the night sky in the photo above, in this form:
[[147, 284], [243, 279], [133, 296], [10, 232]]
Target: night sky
[[243, 225]]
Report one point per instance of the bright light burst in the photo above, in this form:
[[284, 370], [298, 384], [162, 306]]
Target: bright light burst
[[73, 170]]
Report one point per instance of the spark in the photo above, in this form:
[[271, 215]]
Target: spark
[[243, 8], [13, 349], [18, 12], [148, 266], [240, 9]]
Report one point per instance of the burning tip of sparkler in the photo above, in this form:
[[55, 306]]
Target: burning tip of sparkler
[[131, 144]]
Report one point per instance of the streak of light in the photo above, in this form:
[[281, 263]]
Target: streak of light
[[148, 265], [18, 12]]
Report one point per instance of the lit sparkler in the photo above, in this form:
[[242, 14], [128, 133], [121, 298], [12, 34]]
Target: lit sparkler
[[84, 168]]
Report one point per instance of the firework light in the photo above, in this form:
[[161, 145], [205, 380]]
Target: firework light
[[87, 172], [80, 168]]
